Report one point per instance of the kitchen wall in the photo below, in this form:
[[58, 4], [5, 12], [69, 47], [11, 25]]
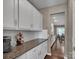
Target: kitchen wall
[[26, 34], [46, 18]]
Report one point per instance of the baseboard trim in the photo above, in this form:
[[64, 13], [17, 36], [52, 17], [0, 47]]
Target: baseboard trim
[[49, 54]]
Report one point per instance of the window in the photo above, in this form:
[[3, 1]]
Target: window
[[60, 30]]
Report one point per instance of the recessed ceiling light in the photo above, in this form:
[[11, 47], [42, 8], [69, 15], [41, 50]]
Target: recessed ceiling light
[[55, 20], [54, 17]]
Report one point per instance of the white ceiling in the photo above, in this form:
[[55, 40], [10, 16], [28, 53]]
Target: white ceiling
[[58, 19], [46, 3]]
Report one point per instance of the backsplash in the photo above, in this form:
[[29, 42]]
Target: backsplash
[[27, 36]]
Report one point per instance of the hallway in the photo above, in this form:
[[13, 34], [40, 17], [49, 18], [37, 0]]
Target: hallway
[[57, 53]]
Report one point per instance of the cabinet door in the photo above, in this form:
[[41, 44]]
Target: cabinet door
[[32, 54], [39, 52], [36, 20], [44, 49], [8, 14], [40, 21], [25, 14]]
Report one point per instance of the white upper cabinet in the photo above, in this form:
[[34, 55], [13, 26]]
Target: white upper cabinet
[[22, 15], [41, 21], [37, 20], [25, 15], [29, 17], [8, 14]]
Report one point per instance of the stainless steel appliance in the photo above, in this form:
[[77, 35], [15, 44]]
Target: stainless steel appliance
[[6, 44]]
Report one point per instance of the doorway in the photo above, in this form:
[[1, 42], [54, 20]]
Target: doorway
[[58, 29]]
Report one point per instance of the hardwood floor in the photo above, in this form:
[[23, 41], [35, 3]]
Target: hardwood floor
[[57, 53]]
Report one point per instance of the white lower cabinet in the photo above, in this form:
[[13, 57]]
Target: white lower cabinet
[[32, 54], [38, 52], [44, 49]]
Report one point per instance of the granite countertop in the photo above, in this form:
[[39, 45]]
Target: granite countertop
[[19, 50]]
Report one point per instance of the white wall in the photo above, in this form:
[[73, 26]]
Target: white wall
[[43, 34], [70, 37]]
